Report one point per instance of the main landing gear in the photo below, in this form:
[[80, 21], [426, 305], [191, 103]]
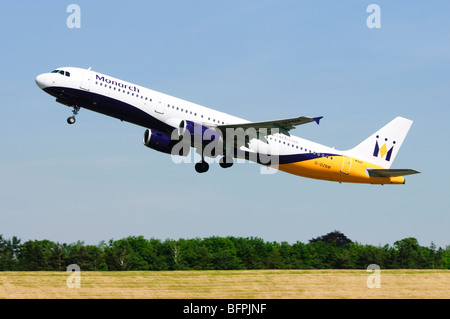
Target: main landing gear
[[202, 166], [72, 119], [226, 162]]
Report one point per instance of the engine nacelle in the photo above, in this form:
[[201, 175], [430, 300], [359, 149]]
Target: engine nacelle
[[161, 142], [200, 134]]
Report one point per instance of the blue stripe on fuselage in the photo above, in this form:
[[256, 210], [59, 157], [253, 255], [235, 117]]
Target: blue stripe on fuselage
[[109, 106], [287, 159]]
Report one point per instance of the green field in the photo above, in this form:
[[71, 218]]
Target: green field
[[273, 284]]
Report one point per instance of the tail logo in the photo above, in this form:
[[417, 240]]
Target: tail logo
[[383, 150]]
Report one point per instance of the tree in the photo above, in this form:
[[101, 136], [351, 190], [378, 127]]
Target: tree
[[222, 253], [274, 259], [9, 252], [333, 250], [142, 253], [336, 237], [446, 257], [37, 255], [407, 253], [246, 253], [300, 256], [118, 255], [87, 257]]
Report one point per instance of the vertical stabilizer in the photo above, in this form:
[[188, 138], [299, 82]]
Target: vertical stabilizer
[[382, 147]]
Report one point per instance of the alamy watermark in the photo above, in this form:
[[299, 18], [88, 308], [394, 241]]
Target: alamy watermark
[[74, 19], [374, 19], [242, 144], [374, 280], [74, 279]]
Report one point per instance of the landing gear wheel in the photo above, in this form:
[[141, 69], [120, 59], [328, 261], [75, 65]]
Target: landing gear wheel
[[201, 167], [71, 120], [226, 162]]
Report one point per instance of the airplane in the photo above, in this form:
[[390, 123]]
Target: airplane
[[174, 126]]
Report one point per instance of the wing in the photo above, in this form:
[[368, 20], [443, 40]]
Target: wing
[[391, 172], [281, 126], [260, 129]]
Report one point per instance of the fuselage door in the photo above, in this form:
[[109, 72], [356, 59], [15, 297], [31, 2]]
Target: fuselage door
[[346, 165], [159, 105], [86, 80]]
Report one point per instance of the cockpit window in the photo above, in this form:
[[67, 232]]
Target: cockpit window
[[61, 72]]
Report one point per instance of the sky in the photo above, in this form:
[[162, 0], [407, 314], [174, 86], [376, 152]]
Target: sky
[[259, 60]]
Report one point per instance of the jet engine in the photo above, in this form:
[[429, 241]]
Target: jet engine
[[161, 142], [200, 134]]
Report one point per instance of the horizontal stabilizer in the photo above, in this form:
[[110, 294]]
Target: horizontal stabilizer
[[390, 172]]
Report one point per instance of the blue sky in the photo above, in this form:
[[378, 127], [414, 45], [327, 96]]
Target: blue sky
[[259, 60]]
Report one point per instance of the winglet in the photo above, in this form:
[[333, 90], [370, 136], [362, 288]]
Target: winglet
[[317, 119]]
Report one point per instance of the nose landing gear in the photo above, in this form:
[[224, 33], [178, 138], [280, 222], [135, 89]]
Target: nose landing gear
[[72, 119]]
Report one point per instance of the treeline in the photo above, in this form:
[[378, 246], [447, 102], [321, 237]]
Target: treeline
[[331, 251]]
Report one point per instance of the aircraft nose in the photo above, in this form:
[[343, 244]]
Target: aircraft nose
[[42, 81]]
